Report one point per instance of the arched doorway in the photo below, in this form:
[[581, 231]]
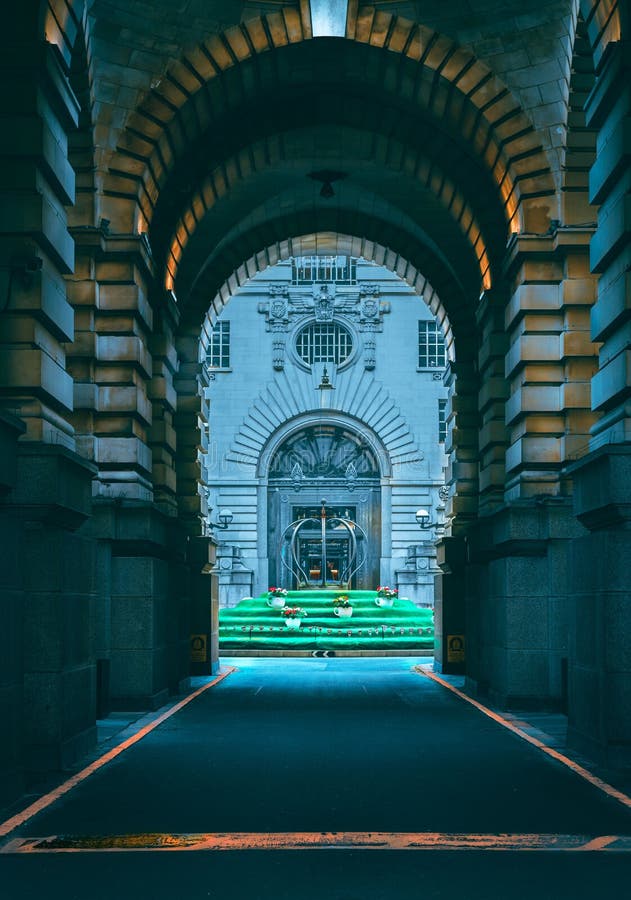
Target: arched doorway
[[340, 465]]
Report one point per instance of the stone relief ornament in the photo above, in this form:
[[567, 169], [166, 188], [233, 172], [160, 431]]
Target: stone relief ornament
[[323, 304]]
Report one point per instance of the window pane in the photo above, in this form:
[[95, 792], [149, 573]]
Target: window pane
[[431, 346], [219, 350], [442, 421], [311, 269], [324, 343]]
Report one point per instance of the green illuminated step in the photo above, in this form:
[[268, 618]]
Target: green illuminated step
[[252, 623]]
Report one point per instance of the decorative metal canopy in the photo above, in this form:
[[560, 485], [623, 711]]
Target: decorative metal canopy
[[290, 546]]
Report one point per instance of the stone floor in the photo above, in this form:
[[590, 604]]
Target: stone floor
[[343, 752]]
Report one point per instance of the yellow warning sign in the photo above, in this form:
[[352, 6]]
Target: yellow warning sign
[[455, 648], [199, 648]]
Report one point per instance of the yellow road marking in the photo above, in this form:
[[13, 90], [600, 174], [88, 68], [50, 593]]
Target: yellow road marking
[[584, 773], [46, 800], [327, 840]]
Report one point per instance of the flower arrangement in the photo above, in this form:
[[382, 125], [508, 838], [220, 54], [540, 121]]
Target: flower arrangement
[[385, 591], [342, 602], [293, 612], [277, 592]]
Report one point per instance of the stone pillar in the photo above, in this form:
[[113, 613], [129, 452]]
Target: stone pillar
[[187, 420], [415, 580], [450, 638], [494, 389], [144, 603], [205, 604], [609, 110], [54, 571], [123, 369], [600, 664], [534, 370], [36, 250], [600, 657], [461, 445], [11, 614], [235, 580], [161, 390], [518, 599]]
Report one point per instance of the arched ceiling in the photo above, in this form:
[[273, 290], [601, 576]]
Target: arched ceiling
[[211, 114]]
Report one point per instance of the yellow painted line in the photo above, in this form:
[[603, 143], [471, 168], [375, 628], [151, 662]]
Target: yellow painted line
[[327, 840], [571, 764], [47, 799]]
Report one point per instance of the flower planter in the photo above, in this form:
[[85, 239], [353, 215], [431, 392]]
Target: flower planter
[[384, 602], [293, 624], [344, 612], [276, 602]]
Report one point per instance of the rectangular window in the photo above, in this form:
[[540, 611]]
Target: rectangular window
[[312, 269], [431, 346], [219, 350], [442, 421]]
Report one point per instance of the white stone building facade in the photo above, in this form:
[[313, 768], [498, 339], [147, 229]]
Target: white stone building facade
[[315, 391]]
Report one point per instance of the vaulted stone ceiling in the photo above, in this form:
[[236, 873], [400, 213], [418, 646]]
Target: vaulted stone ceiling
[[447, 121]]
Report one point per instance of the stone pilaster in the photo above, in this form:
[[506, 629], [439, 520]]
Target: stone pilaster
[[609, 110], [123, 369], [600, 658], [549, 360], [51, 570], [162, 393], [189, 385], [11, 614], [461, 445], [449, 606], [144, 597], [492, 397], [518, 602], [36, 251]]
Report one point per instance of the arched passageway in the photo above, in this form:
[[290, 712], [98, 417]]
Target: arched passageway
[[198, 153]]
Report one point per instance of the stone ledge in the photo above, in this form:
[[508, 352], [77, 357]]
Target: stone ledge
[[53, 485], [11, 427], [602, 487]]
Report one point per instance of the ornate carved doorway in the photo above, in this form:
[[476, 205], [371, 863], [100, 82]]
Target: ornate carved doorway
[[335, 462]]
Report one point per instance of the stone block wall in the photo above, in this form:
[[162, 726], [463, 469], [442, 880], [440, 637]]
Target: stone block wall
[[519, 603]]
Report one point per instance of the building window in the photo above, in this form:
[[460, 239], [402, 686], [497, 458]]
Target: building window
[[324, 343], [312, 269], [431, 346], [442, 421], [219, 350]]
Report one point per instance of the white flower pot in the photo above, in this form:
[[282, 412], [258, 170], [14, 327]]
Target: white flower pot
[[294, 624], [344, 612], [276, 602], [384, 602]]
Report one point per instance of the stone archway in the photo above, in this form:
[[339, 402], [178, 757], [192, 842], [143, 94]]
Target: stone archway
[[523, 412]]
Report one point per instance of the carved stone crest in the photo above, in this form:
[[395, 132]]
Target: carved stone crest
[[323, 304]]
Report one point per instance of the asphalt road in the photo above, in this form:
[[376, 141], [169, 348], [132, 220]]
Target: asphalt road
[[353, 745]]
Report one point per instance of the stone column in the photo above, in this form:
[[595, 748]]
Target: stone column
[[600, 662], [461, 445], [161, 391], [54, 569], [493, 438], [12, 781], [36, 250], [123, 369], [609, 110], [517, 589], [48, 560], [450, 639], [235, 580], [600, 657]]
